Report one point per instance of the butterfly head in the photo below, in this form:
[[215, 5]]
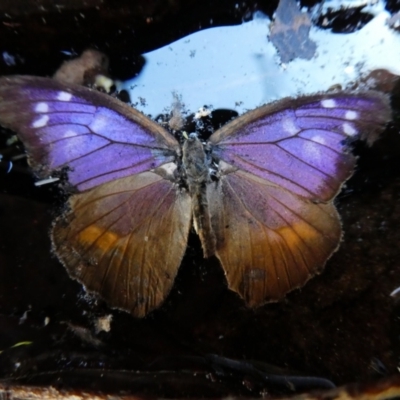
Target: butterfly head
[[190, 137]]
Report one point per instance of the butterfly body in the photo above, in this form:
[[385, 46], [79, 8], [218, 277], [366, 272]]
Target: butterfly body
[[196, 165], [259, 192]]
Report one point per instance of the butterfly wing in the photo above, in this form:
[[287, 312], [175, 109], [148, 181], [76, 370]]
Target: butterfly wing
[[126, 239], [97, 137], [280, 167], [124, 234], [302, 145], [269, 241]]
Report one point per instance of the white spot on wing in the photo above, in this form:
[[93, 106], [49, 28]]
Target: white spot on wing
[[64, 96], [312, 152], [42, 107], [98, 124], [351, 115], [328, 103], [349, 129], [318, 139], [40, 122], [69, 133], [290, 127]]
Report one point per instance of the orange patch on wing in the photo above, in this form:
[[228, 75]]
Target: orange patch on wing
[[102, 238], [299, 232]]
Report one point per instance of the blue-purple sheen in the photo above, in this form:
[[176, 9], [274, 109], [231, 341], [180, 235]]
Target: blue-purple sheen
[[323, 112], [62, 118], [268, 129], [97, 144], [344, 103], [102, 162], [328, 124], [65, 106], [278, 166], [314, 154], [302, 148], [331, 140], [117, 128], [50, 134], [99, 120]]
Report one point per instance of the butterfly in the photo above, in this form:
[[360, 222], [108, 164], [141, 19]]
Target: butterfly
[[259, 192]]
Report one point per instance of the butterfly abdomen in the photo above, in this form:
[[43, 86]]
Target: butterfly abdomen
[[195, 165]]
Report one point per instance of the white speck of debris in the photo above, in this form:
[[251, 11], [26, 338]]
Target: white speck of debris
[[202, 112], [103, 323], [349, 70], [9, 59], [10, 165], [395, 292], [46, 181], [24, 317]]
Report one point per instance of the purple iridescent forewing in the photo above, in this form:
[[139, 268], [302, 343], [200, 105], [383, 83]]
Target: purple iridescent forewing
[[97, 137], [302, 144], [124, 234], [280, 168]]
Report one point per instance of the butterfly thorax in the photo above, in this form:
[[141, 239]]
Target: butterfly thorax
[[194, 162], [196, 166]]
